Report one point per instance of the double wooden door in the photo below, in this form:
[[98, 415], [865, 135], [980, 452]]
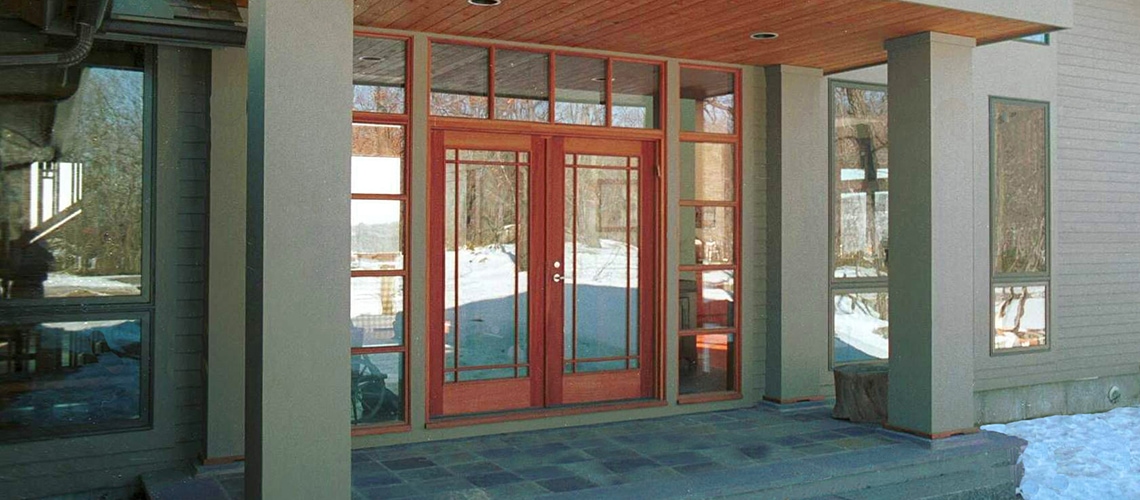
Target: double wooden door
[[542, 271]]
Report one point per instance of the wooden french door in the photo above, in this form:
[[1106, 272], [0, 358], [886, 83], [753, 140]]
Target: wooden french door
[[542, 271]]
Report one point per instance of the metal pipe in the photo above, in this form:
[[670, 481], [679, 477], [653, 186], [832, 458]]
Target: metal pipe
[[87, 24]]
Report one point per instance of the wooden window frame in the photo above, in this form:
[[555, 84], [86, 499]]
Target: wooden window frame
[[836, 285], [402, 120], [736, 205], [522, 126], [1043, 278]]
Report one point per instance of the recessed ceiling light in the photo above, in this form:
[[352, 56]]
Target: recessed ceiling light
[[484, 3], [763, 35]]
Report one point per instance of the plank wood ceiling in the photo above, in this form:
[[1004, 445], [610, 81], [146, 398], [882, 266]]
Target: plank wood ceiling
[[830, 34]]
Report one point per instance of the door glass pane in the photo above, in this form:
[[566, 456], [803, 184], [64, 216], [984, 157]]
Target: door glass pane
[[707, 363], [378, 74], [377, 159], [71, 376], [580, 90], [861, 152], [1020, 156], [708, 101], [71, 189], [600, 229], [486, 266], [377, 311], [459, 80], [377, 388], [708, 171], [861, 326], [376, 235], [707, 299], [1020, 317], [522, 85], [706, 236], [637, 94]]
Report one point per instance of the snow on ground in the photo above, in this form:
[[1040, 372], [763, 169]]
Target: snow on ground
[[1080, 456]]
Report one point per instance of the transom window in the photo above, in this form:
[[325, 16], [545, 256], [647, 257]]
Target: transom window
[[489, 82]]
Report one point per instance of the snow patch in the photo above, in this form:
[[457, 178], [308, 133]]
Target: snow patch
[[1095, 456]]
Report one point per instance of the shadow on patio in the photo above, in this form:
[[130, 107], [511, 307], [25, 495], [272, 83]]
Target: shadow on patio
[[797, 452]]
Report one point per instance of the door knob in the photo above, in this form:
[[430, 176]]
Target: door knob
[[558, 278]]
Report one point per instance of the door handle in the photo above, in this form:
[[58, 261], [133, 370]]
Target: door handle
[[558, 278]]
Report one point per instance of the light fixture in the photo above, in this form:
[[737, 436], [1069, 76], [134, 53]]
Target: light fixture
[[372, 58], [763, 35], [484, 3]]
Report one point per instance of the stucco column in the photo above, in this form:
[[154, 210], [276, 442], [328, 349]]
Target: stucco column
[[297, 284], [797, 234], [932, 237]]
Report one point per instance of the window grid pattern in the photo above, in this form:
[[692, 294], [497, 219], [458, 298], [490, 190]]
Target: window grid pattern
[[709, 333], [379, 274]]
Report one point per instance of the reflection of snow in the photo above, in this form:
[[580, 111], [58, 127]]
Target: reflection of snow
[[1032, 320], [68, 285], [857, 327], [1080, 456], [487, 311], [857, 272]]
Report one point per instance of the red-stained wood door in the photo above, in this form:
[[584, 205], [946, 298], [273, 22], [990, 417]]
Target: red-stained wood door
[[541, 278]]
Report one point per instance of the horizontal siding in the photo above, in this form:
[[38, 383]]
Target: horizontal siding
[[87, 464], [1095, 329]]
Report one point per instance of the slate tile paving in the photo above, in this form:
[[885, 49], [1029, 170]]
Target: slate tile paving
[[767, 444]]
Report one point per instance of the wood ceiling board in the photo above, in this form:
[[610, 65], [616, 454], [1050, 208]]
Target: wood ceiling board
[[833, 35]]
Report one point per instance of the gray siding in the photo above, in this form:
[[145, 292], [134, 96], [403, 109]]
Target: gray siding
[[115, 461], [1096, 204]]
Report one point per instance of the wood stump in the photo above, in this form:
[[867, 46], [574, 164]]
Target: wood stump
[[861, 392]]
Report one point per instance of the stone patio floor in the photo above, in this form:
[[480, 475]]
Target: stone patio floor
[[701, 455]]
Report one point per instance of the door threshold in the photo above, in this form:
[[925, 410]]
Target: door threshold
[[531, 414]]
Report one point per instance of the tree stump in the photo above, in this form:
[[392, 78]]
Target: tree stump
[[861, 392]]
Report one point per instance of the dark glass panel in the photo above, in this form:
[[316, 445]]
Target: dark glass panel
[[706, 236], [707, 299], [379, 79], [637, 94], [580, 90], [377, 388], [71, 376], [708, 101], [460, 77], [1020, 162], [522, 85], [707, 363], [708, 171]]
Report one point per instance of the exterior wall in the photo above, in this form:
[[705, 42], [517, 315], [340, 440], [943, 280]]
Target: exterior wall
[[1087, 75], [113, 462]]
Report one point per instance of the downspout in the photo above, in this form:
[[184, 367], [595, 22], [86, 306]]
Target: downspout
[[87, 23]]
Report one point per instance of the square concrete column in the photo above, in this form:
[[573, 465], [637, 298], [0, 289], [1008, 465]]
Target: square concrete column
[[797, 234], [298, 442], [932, 237]]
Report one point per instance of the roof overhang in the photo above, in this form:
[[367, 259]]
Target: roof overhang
[[834, 35]]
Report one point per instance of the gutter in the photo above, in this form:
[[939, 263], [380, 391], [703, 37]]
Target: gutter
[[87, 22]]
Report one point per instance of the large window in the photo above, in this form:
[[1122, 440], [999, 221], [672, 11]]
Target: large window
[[75, 236], [477, 81], [708, 245], [1019, 162], [859, 180], [379, 265]]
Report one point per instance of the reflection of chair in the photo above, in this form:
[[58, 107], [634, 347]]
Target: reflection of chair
[[371, 399]]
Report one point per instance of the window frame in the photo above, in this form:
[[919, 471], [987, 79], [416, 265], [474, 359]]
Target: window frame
[[736, 205], [836, 285], [140, 307], [1043, 278], [402, 120], [552, 56]]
